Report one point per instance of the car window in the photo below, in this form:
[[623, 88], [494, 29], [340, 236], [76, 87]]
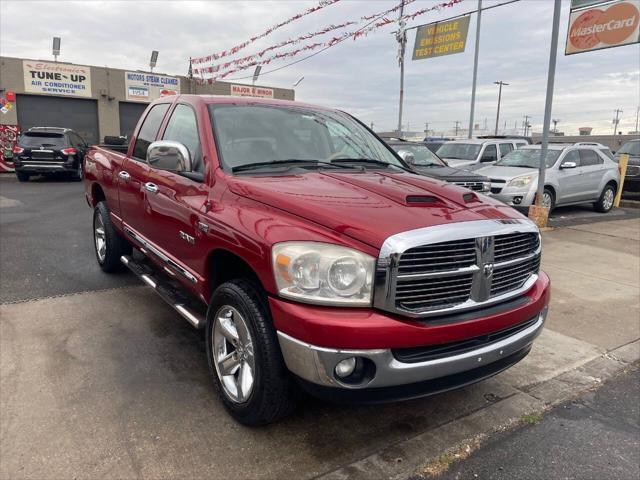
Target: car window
[[607, 152], [422, 155], [149, 130], [490, 154], [76, 141], [42, 139], [183, 128], [589, 157], [572, 156], [521, 144], [459, 151], [632, 148], [505, 148]]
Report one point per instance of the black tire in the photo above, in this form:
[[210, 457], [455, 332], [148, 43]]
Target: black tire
[[78, 175], [273, 395], [22, 176], [549, 192], [115, 245], [606, 199]]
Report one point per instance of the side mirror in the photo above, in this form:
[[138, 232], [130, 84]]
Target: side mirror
[[407, 157], [168, 155], [564, 165]]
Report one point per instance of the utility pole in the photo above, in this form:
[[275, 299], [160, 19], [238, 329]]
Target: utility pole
[[555, 125], [616, 121], [426, 129], [637, 115], [500, 83], [526, 125], [475, 69], [371, 125], [457, 127], [401, 37], [551, 76]]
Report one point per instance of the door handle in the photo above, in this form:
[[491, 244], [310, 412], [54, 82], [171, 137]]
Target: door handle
[[124, 175], [151, 187]]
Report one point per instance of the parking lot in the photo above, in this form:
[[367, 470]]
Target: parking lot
[[99, 378]]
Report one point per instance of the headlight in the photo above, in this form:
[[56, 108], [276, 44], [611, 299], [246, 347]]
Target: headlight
[[520, 181], [486, 187], [323, 273]]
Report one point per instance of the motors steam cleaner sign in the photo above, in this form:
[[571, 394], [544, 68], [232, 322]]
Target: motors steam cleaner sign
[[56, 78], [441, 38], [147, 87], [603, 26]]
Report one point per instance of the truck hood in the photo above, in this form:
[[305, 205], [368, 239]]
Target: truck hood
[[372, 205], [455, 163], [505, 173]]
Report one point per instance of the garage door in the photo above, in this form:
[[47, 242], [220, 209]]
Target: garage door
[[40, 111], [130, 113]]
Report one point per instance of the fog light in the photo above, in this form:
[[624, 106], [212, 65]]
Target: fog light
[[517, 200], [345, 367]]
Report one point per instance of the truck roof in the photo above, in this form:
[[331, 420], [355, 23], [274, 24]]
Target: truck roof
[[227, 99]]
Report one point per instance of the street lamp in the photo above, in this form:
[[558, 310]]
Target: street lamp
[[154, 59], [56, 48], [555, 125], [298, 82], [500, 83]]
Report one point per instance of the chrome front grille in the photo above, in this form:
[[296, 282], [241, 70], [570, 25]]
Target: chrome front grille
[[461, 266], [633, 170], [477, 186]]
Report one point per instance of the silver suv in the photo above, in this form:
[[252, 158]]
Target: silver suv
[[475, 152], [576, 173]]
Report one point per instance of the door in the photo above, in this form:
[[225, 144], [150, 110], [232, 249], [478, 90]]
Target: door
[[505, 148], [80, 115], [133, 176], [489, 154], [592, 172], [175, 207], [569, 179]]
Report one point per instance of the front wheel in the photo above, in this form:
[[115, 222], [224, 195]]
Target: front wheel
[[244, 355], [108, 243], [548, 199], [605, 202]]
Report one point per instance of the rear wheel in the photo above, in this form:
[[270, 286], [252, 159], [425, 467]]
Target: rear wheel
[[78, 175], [22, 177], [607, 197], [109, 245], [548, 199], [244, 355]]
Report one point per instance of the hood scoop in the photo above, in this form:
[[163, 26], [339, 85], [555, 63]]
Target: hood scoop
[[424, 201]]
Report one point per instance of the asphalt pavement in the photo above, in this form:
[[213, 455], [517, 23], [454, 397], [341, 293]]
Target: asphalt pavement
[[594, 437]]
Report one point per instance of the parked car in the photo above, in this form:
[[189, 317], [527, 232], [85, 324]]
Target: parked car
[[425, 162], [632, 175], [477, 151], [575, 174], [527, 140], [312, 256], [434, 143], [49, 150]]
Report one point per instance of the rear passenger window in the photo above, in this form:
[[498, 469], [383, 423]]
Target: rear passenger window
[[505, 148], [183, 128], [589, 157], [149, 130]]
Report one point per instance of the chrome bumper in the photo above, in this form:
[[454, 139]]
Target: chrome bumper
[[317, 364]]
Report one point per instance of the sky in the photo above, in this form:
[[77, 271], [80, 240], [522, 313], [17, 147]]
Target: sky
[[361, 77]]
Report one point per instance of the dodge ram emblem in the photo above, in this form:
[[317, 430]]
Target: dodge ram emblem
[[488, 269]]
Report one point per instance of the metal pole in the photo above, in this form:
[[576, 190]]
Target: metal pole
[[551, 74], [401, 36], [616, 122], [500, 83], [637, 115], [475, 69]]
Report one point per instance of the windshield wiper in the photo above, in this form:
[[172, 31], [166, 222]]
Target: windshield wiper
[[294, 161], [371, 161]]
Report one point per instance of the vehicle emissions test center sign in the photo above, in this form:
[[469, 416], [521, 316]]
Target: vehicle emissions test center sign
[[147, 87], [249, 91], [603, 26], [56, 78], [441, 38]]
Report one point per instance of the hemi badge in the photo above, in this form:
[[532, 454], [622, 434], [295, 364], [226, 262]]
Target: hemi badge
[[203, 226]]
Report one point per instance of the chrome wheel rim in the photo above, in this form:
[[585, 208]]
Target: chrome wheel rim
[[80, 172], [607, 200], [546, 200], [100, 238], [233, 356]]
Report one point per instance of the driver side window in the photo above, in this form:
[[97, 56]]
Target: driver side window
[[572, 156], [490, 154]]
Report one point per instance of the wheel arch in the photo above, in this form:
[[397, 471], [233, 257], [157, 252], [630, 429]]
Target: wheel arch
[[97, 194], [224, 265]]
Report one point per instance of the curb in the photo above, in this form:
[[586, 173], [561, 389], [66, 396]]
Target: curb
[[464, 434]]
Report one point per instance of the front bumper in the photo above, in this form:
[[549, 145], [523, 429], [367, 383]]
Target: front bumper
[[316, 364], [516, 197], [631, 184]]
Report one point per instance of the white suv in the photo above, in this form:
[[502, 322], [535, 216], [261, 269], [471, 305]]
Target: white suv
[[477, 151]]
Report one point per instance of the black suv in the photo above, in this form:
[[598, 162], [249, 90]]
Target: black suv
[[423, 161], [47, 150]]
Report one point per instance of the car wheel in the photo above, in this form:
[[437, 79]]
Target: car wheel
[[108, 243], [78, 175], [607, 197], [548, 199], [244, 355], [22, 177]]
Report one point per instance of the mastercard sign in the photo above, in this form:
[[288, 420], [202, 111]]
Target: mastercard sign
[[605, 26]]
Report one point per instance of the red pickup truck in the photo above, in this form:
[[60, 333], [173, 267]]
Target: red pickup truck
[[312, 255]]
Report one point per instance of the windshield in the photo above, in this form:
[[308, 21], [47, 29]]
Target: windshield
[[459, 151], [41, 139], [252, 134], [528, 158], [632, 148], [423, 156]]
